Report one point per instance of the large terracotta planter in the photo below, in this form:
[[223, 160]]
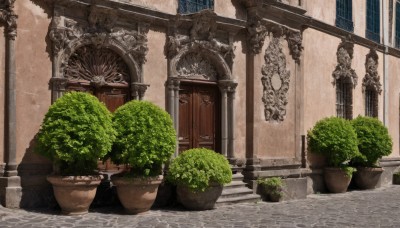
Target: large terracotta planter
[[199, 200], [74, 194], [336, 180], [367, 177], [137, 195]]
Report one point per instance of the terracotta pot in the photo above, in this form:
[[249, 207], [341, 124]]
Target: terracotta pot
[[367, 177], [199, 200], [74, 194], [336, 180], [137, 195]]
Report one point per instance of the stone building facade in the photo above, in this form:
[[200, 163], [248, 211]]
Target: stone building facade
[[247, 78]]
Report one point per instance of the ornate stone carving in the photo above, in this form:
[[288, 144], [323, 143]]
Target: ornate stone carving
[[371, 79], [98, 66], [344, 57], [294, 40], [138, 90], [194, 66], [257, 31], [58, 84], [8, 16], [204, 25], [275, 80]]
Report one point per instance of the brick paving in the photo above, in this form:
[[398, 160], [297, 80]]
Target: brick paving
[[374, 208]]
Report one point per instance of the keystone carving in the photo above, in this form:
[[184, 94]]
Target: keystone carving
[[344, 57], [275, 80], [371, 79]]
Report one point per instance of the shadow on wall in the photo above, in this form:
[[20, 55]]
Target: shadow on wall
[[33, 169]]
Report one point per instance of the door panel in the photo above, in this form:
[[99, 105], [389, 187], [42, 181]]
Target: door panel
[[198, 117]]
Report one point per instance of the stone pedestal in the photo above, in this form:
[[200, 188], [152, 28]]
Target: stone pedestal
[[10, 191]]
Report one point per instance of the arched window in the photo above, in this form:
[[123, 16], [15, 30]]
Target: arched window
[[371, 102], [193, 6], [344, 98], [344, 15]]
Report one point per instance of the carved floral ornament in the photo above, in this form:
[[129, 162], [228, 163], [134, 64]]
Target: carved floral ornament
[[193, 65], [275, 80], [343, 68], [8, 16], [371, 79]]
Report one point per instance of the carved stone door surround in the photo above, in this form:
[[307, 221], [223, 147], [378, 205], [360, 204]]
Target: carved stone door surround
[[202, 57], [100, 30]]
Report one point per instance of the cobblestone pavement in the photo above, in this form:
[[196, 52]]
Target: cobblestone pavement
[[377, 208]]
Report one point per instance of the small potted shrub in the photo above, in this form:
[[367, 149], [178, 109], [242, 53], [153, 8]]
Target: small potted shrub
[[76, 131], [396, 178], [199, 175], [335, 138], [271, 188], [374, 142], [145, 141]]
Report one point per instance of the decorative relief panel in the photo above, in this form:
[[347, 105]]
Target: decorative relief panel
[[8, 16], [275, 80], [202, 39], [195, 66], [344, 57], [371, 78], [99, 66]]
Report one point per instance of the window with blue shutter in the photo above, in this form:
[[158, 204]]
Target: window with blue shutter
[[373, 20], [344, 15], [397, 39], [193, 6]]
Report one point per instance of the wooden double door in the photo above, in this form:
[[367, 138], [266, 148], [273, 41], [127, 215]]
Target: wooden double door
[[199, 117]]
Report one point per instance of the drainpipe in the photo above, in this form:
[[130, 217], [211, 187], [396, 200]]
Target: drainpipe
[[385, 63]]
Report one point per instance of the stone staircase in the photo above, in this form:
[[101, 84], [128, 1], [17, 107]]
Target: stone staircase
[[237, 192]]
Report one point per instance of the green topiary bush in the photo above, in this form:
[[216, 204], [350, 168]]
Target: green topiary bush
[[145, 138], [334, 138], [374, 140], [272, 186], [76, 131], [197, 168]]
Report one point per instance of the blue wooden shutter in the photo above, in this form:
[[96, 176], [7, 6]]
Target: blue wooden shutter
[[344, 15], [193, 6], [397, 38], [373, 20]]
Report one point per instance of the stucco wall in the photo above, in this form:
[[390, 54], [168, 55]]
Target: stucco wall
[[393, 102], [155, 69], [239, 74], [273, 140], [33, 70], [321, 10], [2, 87], [166, 6]]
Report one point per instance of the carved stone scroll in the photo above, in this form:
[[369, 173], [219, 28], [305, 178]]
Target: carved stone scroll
[[257, 31], [371, 79], [196, 66], [344, 57], [275, 80], [294, 40]]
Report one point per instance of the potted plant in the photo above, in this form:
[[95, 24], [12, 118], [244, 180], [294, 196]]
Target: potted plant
[[76, 131], [271, 188], [335, 138], [374, 142], [145, 141], [199, 175]]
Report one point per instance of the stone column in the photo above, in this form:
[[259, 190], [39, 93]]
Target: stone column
[[138, 90], [173, 107], [231, 122], [10, 184], [58, 87], [227, 88]]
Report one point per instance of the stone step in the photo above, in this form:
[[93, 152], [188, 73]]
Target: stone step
[[249, 198], [235, 192], [237, 177], [235, 184]]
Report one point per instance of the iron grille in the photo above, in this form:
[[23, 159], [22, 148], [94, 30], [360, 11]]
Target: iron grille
[[397, 38], [193, 6], [344, 98], [371, 103], [373, 21], [344, 16]]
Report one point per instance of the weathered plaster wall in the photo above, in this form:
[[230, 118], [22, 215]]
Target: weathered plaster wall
[[321, 10], [33, 70], [359, 17], [166, 6], [2, 92], [155, 69], [273, 140], [226, 9], [239, 74], [393, 102]]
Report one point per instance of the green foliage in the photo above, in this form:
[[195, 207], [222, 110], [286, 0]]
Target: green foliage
[[374, 140], [272, 186], [145, 138], [197, 168], [76, 131], [348, 170], [335, 138]]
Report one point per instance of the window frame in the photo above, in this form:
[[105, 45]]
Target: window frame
[[373, 20], [344, 15], [344, 98], [194, 6]]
